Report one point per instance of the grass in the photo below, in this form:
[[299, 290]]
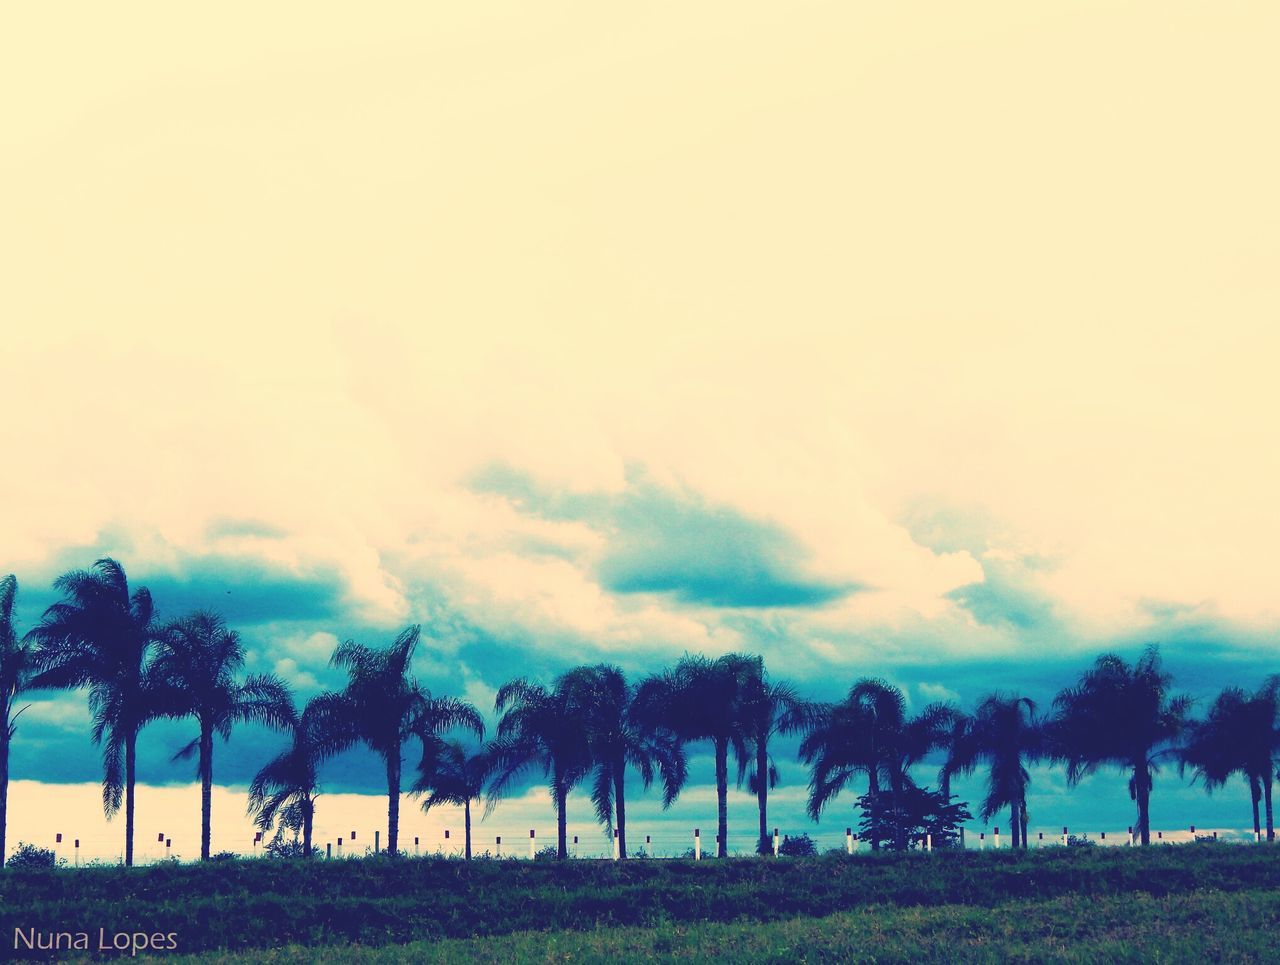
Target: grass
[[263, 904], [1201, 926]]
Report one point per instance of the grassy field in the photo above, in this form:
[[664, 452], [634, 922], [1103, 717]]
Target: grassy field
[[1201, 926], [1183, 902]]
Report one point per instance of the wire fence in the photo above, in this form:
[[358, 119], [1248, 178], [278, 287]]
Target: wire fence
[[696, 843]]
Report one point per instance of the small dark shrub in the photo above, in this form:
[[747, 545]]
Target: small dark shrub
[[1078, 841], [32, 856], [798, 846]]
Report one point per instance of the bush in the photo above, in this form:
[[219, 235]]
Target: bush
[[224, 856], [798, 846], [1078, 841], [31, 856], [549, 853]]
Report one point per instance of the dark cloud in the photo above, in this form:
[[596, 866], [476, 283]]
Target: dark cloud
[[678, 545]]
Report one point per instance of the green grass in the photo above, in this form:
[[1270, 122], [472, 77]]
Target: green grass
[[1201, 926], [262, 904]]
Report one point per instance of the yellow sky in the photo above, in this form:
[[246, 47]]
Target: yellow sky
[[316, 263]]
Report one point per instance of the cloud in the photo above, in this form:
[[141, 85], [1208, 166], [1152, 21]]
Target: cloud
[[677, 544]]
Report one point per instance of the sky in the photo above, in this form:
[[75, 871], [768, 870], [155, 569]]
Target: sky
[[925, 341]]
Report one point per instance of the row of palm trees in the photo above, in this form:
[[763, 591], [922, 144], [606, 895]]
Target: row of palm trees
[[590, 726]]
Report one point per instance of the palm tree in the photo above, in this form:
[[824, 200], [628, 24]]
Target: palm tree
[[1237, 737], [540, 729], [100, 636], [452, 775], [770, 708], [287, 786], [703, 699], [1268, 697], [1005, 735], [383, 706], [867, 734], [16, 659], [617, 739], [195, 672], [1123, 716]]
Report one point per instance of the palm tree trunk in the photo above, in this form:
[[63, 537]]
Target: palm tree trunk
[[1022, 801], [308, 816], [620, 808], [393, 800], [562, 821], [873, 791], [1255, 792], [1142, 794], [1015, 825], [899, 833], [722, 798], [466, 826], [1268, 780], [130, 777], [4, 778], [206, 788], [764, 845]]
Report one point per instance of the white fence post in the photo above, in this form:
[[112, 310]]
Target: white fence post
[[848, 840], [928, 842], [995, 842], [616, 849], [497, 844], [533, 844], [697, 844], [775, 842]]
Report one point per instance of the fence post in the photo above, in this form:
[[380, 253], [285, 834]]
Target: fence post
[[77, 852], [498, 846], [848, 840], [928, 842], [1103, 835], [1131, 835], [697, 844], [995, 842], [982, 840], [446, 841], [533, 844], [339, 847], [377, 841], [615, 844], [328, 849], [1040, 840], [415, 846], [775, 842], [1064, 835]]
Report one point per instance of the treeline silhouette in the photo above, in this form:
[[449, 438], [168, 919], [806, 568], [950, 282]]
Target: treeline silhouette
[[590, 726]]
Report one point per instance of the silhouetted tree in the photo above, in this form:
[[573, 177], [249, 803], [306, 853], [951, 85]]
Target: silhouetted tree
[[1005, 735], [769, 708], [1122, 716], [451, 774], [1238, 736], [703, 699], [618, 738], [867, 734], [16, 668], [383, 706], [195, 671], [100, 636], [544, 730], [287, 786]]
